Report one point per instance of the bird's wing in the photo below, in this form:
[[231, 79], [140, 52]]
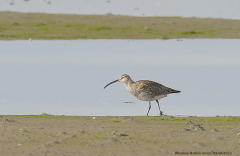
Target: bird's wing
[[153, 88]]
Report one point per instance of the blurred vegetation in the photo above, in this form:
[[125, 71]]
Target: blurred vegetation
[[15, 26], [118, 119]]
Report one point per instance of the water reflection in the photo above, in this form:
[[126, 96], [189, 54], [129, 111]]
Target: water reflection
[[67, 77]]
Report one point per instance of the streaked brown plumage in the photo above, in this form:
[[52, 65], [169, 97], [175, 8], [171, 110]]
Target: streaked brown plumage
[[145, 90]]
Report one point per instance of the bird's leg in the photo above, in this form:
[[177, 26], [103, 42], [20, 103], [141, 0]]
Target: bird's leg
[[161, 113], [149, 107]]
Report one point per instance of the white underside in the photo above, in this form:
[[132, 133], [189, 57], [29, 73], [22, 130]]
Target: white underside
[[159, 97], [153, 99]]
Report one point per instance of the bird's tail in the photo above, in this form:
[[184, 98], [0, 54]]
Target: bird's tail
[[174, 91]]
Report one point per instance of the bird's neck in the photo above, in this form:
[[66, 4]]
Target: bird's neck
[[128, 84]]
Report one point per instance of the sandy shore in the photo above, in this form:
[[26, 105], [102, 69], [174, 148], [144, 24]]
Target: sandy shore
[[138, 135]]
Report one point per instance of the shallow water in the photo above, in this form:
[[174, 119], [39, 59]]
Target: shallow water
[[185, 8], [67, 77]]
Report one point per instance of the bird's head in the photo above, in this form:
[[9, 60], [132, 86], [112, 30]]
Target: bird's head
[[124, 79]]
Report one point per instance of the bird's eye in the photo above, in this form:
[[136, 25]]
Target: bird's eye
[[122, 77]]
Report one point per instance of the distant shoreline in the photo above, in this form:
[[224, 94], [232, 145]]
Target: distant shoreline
[[41, 26]]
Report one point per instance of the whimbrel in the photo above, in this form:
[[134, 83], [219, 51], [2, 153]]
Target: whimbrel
[[145, 90]]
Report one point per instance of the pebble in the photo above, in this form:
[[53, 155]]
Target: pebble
[[123, 135]]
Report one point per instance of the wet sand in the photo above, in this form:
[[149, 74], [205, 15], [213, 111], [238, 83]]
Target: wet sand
[[117, 135]]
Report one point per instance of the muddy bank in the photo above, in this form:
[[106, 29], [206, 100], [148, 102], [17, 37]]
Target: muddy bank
[[137, 135], [15, 25]]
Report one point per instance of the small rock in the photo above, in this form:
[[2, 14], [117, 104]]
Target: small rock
[[94, 118], [214, 130], [195, 126], [22, 130], [8, 121], [189, 122], [73, 136], [123, 135], [200, 127], [238, 134], [65, 133], [114, 132], [52, 143]]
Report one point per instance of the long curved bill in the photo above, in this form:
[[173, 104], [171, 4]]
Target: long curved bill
[[110, 83]]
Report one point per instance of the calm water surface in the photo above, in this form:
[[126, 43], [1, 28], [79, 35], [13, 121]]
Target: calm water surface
[[67, 77], [185, 8]]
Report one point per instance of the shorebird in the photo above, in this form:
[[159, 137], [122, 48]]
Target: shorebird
[[145, 90]]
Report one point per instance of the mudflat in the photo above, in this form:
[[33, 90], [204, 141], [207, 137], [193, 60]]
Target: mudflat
[[118, 135], [15, 26]]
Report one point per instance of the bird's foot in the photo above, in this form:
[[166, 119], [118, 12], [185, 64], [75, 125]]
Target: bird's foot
[[161, 113]]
